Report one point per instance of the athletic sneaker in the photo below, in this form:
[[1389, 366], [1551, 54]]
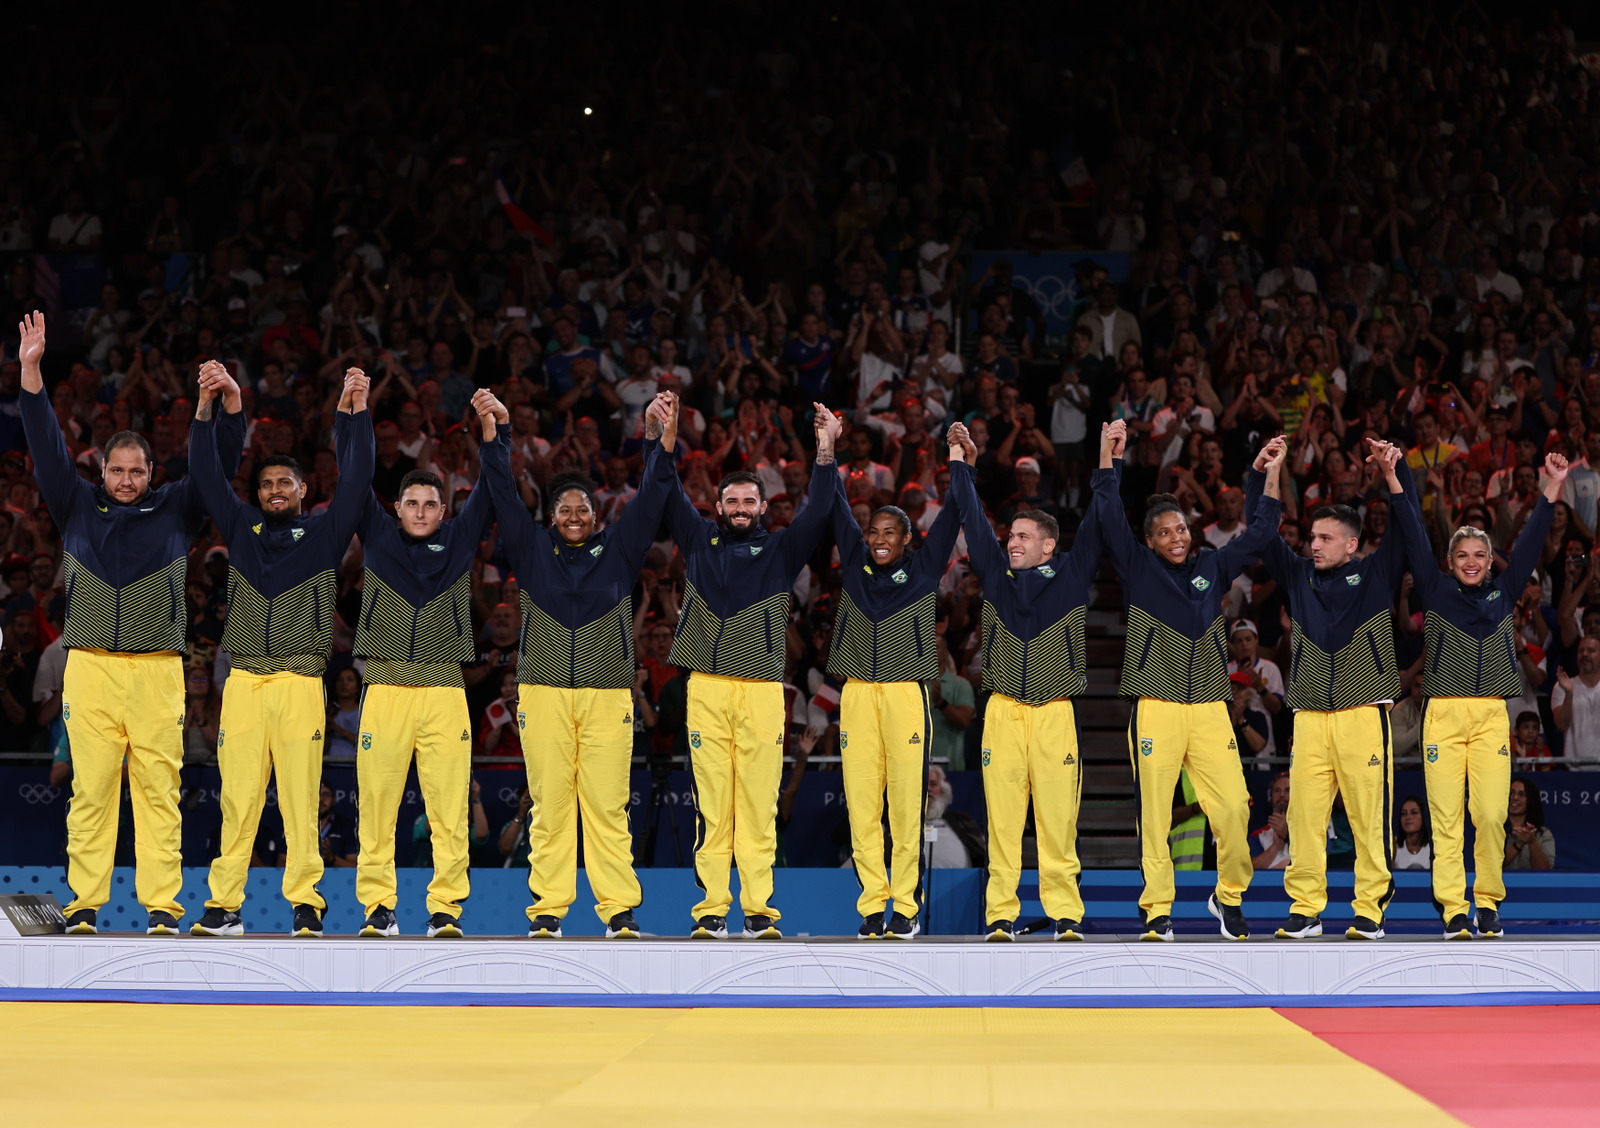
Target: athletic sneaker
[[218, 922], [1456, 928], [1363, 928], [1001, 931], [161, 924], [1069, 929], [443, 926], [84, 922], [1158, 928], [760, 927], [710, 928], [623, 927], [1234, 926], [901, 928], [1489, 926], [871, 927], [307, 922], [1300, 927], [381, 922], [545, 928]]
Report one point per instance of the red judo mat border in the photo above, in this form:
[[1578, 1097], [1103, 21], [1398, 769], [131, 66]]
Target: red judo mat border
[[1510, 1065], [1533, 999]]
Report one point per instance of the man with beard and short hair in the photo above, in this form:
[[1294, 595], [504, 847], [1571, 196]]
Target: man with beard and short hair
[[1341, 682], [732, 634], [126, 559], [282, 564]]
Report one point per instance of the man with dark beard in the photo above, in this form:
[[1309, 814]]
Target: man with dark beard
[[732, 635]]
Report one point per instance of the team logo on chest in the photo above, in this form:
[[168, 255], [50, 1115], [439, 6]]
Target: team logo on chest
[[297, 533], [436, 548], [1200, 583], [1492, 596], [597, 550], [900, 576], [1353, 581], [256, 529], [755, 549], [1046, 571]]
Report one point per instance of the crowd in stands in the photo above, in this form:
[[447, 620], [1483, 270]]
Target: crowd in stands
[[1332, 224]]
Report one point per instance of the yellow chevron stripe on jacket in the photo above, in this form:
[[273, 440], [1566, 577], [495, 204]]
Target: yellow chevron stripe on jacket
[[1044, 668], [596, 656], [901, 648], [1462, 666], [1165, 663], [144, 617], [1361, 672], [749, 644], [439, 631], [292, 631]]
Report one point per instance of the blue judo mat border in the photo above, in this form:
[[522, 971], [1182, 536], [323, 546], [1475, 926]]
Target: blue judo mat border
[[810, 1002]]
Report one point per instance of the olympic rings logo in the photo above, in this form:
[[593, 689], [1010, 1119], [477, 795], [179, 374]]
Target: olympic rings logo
[[1054, 296], [508, 795], [36, 793]]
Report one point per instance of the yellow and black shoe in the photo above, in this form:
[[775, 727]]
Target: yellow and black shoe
[[1158, 928], [1231, 917], [381, 922], [901, 927], [1489, 926], [1069, 929], [545, 928], [871, 927], [1298, 926], [1456, 928], [443, 926], [162, 924], [760, 927], [1365, 928], [622, 927], [710, 928], [1001, 932], [218, 922], [307, 922], [84, 922]]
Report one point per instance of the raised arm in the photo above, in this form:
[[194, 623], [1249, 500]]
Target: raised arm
[[214, 488], [984, 553], [635, 530], [1111, 519], [355, 450], [53, 467], [496, 452], [1525, 550], [799, 540], [845, 530], [1394, 553], [1267, 514], [1273, 552], [517, 526]]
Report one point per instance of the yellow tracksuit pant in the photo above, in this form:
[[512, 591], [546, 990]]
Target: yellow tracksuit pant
[[884, 730], [1347, 752], [578, 744], [1466, 744], [431, 721], [1032, 750], [270, 722], [1164, 737], [736, 747], [120, 706]]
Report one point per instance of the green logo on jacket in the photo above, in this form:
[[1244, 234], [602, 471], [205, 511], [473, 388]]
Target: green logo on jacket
[[1433, 753]]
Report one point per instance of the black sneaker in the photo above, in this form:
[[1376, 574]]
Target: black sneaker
[[1234, 926], [307, 922], [1158, 928], [901, 928], [545, 928], [381, 922], [760, 927], [1300, 927], [1363, 928], [1489, 926], [710, 928], [218, 922], [161, 924], [1001, 932], [84, 922], [443, 926], [1067, 929], [871, 927], [1456, 928], [623, 927]]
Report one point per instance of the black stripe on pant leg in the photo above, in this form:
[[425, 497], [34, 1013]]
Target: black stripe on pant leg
[[694, 790], [1138, 795], [1438, 905], [1388, 829], [849, 815], [1077, 733], [920, 897]]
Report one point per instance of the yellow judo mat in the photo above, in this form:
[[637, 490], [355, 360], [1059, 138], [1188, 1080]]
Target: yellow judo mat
[[495, 1067]]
